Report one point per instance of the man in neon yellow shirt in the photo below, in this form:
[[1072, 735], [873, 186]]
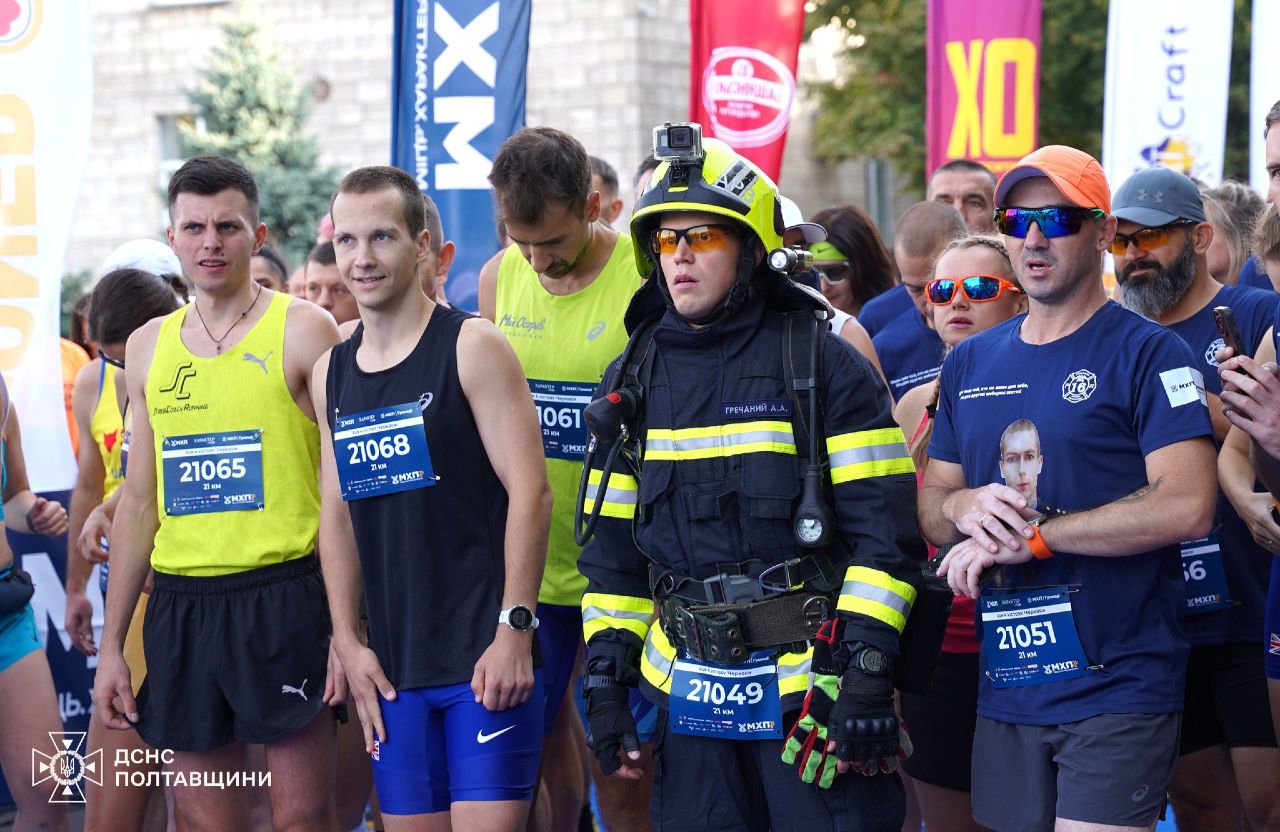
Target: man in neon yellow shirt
[[558, 293]]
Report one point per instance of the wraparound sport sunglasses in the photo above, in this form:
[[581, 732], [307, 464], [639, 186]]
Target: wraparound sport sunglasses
[[979, 288], [701, 238], [1060, 221], [1146, 238]]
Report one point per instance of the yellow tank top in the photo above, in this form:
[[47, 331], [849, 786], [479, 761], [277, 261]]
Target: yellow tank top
[[107, 429], [236, 459], [564, 343]]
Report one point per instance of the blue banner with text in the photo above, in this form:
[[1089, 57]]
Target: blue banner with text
[[454, 104]]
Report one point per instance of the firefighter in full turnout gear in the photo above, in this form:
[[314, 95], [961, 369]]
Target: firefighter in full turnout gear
[[756, 593]]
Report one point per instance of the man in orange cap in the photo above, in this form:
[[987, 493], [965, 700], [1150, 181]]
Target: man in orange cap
[[1085, 658]]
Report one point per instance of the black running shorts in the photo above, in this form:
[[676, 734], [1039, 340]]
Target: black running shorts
[[238, 657]]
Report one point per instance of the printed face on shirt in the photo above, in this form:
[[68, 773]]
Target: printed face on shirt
[[972, 193], [1052, 271], [1021, 460], [962, 317]]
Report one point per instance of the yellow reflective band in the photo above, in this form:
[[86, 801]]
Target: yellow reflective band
[[868, 453], [877, 595], [658, 660], [619, 497], [720, 441], [615, 612], [793, 672]]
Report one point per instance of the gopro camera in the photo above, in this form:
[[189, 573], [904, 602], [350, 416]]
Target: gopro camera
[[681, 142], [790, 261]]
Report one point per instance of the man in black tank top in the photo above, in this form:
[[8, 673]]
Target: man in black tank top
[[435, 509]]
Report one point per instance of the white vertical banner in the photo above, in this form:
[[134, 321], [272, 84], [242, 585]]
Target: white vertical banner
[[1168, 66], [46, 95], [1264, 84]]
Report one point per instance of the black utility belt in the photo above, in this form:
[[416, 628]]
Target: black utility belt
[[730, 633]]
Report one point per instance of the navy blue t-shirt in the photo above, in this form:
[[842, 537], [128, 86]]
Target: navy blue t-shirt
[[910, 352], [1251, 274], [1246, 565], [1096, 402], [878, 312]]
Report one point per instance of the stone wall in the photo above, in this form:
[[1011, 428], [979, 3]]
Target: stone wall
[[605, 70]]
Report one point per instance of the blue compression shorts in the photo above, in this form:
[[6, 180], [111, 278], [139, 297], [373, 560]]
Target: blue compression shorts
[[442, 747], [560, 642]]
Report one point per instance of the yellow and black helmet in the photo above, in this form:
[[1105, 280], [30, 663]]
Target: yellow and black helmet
[[722, 183]]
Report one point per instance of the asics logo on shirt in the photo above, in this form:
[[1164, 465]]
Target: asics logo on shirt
[[424, 401], [261, 362], [178, 385], [482, 737], [297, 690], [595, 331]]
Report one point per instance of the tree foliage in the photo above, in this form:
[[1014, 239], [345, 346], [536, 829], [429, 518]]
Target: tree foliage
[[877, 106], [251, 109]]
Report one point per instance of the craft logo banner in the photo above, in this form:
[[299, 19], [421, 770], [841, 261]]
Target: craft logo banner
[[454, 104], [983, 89], [46, 97], [1168, 66], [742, 82], [1264, 85]]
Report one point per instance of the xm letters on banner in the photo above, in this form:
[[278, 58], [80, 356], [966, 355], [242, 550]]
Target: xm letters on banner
[[742, 74], [458, 89], [1168, 66], [983, 92]]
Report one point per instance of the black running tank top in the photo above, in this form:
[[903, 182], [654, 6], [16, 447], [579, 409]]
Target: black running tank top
[[432, 557]]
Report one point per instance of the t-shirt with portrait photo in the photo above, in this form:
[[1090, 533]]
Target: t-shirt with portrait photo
[[1069, 424]]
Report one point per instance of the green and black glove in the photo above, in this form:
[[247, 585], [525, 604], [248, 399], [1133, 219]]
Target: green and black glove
[[807, 740]]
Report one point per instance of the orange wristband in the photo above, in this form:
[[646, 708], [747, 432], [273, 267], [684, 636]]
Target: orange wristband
[[1037, 546]]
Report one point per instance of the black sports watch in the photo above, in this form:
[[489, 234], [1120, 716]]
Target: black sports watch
[[519, 618], [871, 661]]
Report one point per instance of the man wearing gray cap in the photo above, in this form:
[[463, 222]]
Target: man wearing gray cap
[[1161, 265]]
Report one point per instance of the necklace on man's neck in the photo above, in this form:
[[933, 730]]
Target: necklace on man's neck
[[217, 342]]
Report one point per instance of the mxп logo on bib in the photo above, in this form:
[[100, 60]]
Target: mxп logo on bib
[[748, 94]]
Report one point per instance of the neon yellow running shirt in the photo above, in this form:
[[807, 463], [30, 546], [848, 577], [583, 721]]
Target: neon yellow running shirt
[[564, 343]]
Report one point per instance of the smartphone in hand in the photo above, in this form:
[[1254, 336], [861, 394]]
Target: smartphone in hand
[[1226, 322]]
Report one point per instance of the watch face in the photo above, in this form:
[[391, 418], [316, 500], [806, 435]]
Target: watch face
[[520, 618], [873, 661]]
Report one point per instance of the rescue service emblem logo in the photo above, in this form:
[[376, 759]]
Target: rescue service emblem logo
[[748, 95], [1079, 386], [67, 767], [1211, 353]]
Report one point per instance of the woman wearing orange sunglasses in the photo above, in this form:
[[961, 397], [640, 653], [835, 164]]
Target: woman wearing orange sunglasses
[[973, 288]]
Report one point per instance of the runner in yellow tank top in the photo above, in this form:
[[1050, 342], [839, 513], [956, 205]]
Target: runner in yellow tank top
[[559, 293], [221, 495]]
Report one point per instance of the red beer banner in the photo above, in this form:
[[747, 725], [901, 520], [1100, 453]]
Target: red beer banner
[[743, 73], [984, 82]]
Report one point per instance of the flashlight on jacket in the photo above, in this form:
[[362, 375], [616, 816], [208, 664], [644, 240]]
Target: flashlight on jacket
[[606, 416]]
